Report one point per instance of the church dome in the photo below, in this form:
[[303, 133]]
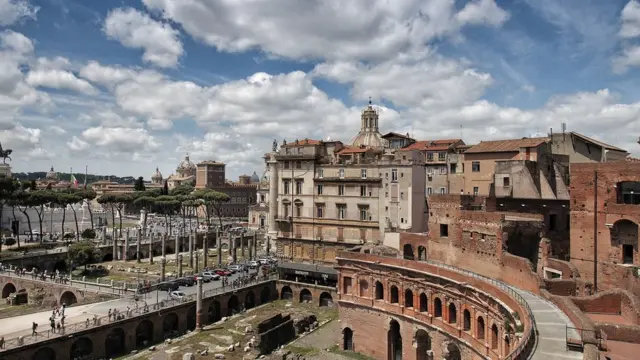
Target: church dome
[[255, 178], [369, 135], [52, 174], [186, 168], [156, 178]]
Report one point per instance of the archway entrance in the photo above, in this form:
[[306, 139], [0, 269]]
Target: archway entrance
[[347, 337], [624, 238], [305, 296], [407, 252], [423, 345], [45, 353], [170, 325], [233, 306], [68, 298], [144, 334], [326, 299], [107, 257], [394, 341], [82, 349], [249, 300], [114, 343], [214, 312], [7, 290], [422, 253], [453, 352], [191, 318], [286, 293], [265, 295]]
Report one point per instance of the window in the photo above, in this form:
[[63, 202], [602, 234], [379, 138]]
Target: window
[[453, 168], [298, 164], [475, 166], [628, 192], [363, 173], [442, 156], [429, 171], [443, 190], [286, 186], [286, 210], [363, 190], [320, 188], [475, 191], [444, 230], [320, 210], [342, 211], [443, 169], [320, 173], [262, 198], [429, 191], [364, 213], [298, 210], [429, 156], [506, 181], [286, 164], [341, 173], [552, 222], [340, 190], [298, 187], [394, 175]]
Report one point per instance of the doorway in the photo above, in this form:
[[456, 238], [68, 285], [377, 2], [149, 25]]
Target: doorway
[[627, 254]]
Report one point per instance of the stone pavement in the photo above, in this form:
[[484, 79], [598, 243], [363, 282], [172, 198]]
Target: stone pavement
[[551, 323]]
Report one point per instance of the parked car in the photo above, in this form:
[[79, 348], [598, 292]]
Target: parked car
[[235, 268], [211, 275], [177, 295], [186, 281], [254, 264], [222, 272], [169, 286], [263, 261]]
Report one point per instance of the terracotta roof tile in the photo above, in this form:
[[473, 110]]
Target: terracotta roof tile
[[434, 145], [506, 145]]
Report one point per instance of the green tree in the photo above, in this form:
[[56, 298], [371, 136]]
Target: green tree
[[88, 234], [38, 199], [89, 195], [22, 202], [83, 253], [165, 189], [139, 184], [108, 201], [146, 203], [213, 202], [182, 189], [121, 200], [7, 188], [75, 197], [168, 206]]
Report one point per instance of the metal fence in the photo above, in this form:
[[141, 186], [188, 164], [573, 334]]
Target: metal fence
[[127, 313]]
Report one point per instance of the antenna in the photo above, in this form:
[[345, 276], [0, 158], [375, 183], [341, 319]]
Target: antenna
[[564, 127]]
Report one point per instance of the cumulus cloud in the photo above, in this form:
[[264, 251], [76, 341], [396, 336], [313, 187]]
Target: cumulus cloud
[[59, 79], [159, 124], [630, 30], [137, 30], [332, 29], [116, 140], [13, 11]]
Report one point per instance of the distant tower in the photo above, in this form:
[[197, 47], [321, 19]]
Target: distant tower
[[156, 178], [369, 135]]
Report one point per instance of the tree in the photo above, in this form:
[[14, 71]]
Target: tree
[[75, 197], [213, 201], [22, 201], [64, 199], [7, 188], [37, 199], [168, 206], [88, 234], [165, 189], [120, 201], [89, 195], [146, 203], [83, 253], [139, 184], [182, 189], [109, 201]]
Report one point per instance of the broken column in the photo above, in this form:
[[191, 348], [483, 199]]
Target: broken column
[[114, 247], [255, 245], [219, 244], [242, 246], [191, 240], [104, 235], [163, 267], [125, 250], [199, 313], [196, 269], [179, 260], [205, 249], [138, 241], [151, 249], [250, 247], [163, 243], [177, 246], [232, 245]]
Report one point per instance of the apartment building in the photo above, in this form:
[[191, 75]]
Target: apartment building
[[443, 164]]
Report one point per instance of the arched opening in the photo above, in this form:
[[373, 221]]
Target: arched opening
[[394, 341], [466, 320], [144, 334], [60, 265], [286, 293], [138, 255], [305, 296], [423, 345], [394, 294], [191, 318], [437, 307], [423, 303], [68, 298], [249, 300], [494, 336], [233, 306], [168, 250], [114, 343], [170, 325], [364, 288], [407, 252], [408, 298], [480, 328], [265, 295], [453, 352], [213, 314], [507, 346], [453, 314], [107, 257], [326, 299], [45, 353], [347, 339], [379, 291], [82, 349], [8, 289], [624, 239], [422, 253]]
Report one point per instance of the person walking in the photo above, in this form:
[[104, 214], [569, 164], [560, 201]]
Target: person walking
[[34, 326]]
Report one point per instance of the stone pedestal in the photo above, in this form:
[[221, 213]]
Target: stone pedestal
[[199, 312], [179, 259], [5, 170], [138, 242]]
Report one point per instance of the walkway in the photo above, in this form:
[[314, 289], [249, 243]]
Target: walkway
[[551, 323]]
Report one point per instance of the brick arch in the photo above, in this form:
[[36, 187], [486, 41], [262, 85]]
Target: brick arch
[[68, 297], [8, 289], [305, 295]]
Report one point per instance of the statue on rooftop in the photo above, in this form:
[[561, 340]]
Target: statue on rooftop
[[275, 145], [4, 154]]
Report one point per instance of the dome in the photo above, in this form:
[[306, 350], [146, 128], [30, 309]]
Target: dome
[[369, 135], [156, 178], [52, 174], [255, 178], [186, 167]]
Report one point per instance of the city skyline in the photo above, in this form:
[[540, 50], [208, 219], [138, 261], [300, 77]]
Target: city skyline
[[128, 88]]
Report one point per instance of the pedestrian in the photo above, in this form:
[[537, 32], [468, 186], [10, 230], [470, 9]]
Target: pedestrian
[[109, 314], [34, 326], [2, 342], [52, 322]]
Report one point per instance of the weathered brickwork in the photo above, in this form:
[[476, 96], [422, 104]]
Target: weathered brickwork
[[299, 250], [48, 294], [617, 223], [437, 313]]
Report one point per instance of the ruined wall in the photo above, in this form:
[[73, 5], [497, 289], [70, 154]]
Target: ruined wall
[[274, 332]]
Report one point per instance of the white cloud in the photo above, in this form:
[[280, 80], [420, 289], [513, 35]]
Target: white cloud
[[13, 11], [134, 29], [630, 20], [109, 76], [20, 139], [78, 145], [120, 139], [332, 29], [630, 55], [57, 130], [59, 79], [159, 124]]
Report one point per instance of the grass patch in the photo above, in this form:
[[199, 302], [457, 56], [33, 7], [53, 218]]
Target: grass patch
[[304, 351], [7, 311], [350, 354]]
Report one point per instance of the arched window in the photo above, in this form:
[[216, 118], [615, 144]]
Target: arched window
[[494, 336], [422, 253], [437, 307], [347, 335], [453, 314], [379, 291], [423, 303], [408, 252], [624, 238], [408, 298], [480, 328], [423, 345], [466, 321], [364, 288], [394, 341], [394, 294]]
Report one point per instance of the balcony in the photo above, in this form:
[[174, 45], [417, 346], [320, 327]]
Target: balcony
[[368, 180]]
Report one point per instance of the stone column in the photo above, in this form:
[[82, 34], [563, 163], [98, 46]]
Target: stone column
[[177, 246], [255, 246], [139, 240], [197, 264], [179, 260], [219, 245], [163, 243], [250, 248], [199, 312], [232, 246], [114, 247], [163, 268], [205, 249], [242, 237], [104, 235], [191, 243], [273, 193], [125, 253], [151, 238]]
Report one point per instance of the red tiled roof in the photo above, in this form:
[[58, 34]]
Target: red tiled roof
[[303, 142], [433, 145], [506, 145]]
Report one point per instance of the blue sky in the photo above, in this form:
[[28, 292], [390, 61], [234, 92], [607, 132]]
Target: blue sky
[[125, 86]]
